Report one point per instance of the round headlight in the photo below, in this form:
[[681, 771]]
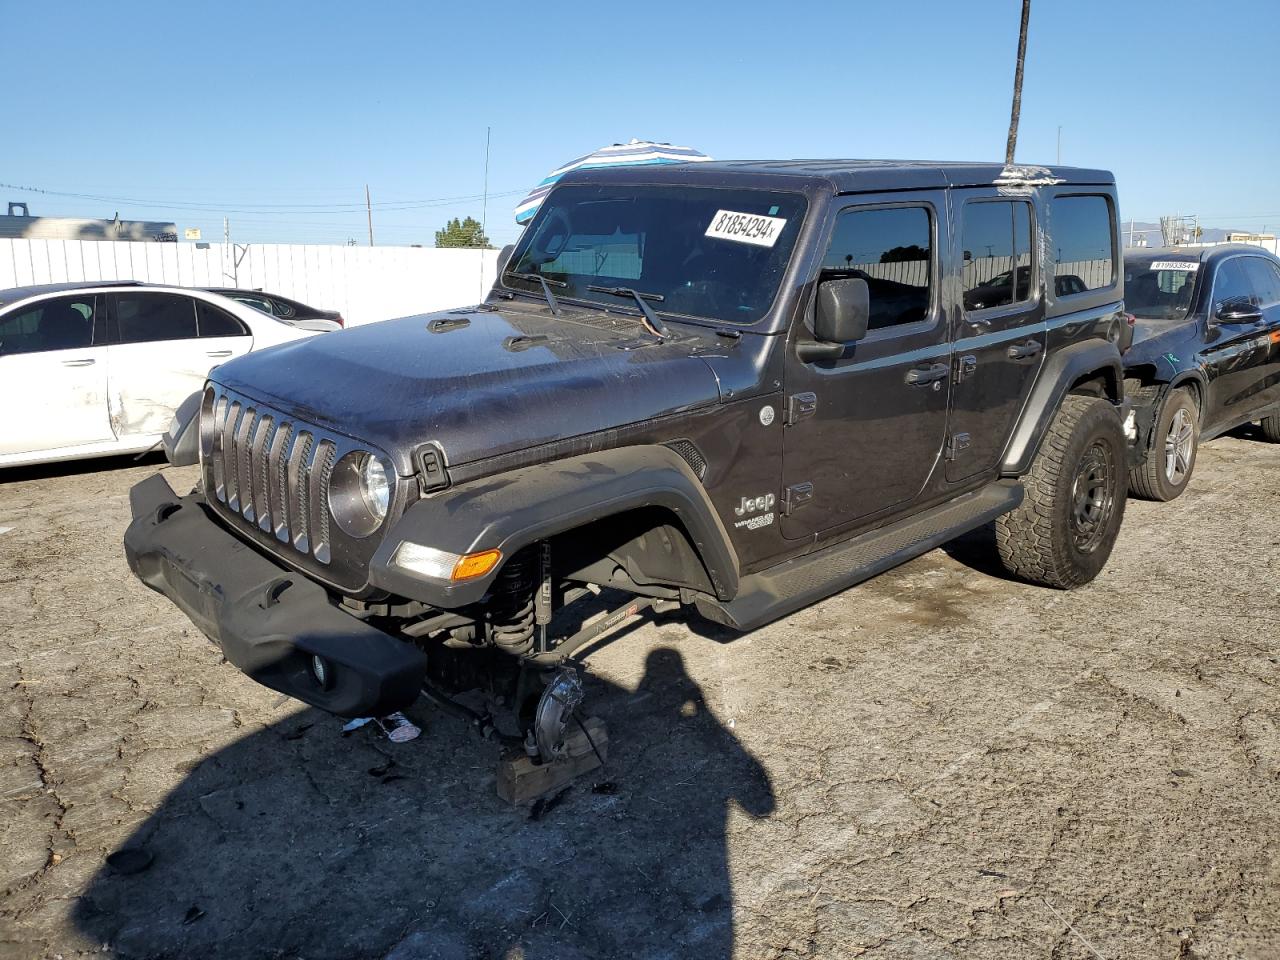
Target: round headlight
[[359, 493], [374, 487]]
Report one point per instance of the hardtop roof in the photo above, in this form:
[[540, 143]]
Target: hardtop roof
[[845, 176]]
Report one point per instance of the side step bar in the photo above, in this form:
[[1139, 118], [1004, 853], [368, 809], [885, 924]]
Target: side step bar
[[788, 587]]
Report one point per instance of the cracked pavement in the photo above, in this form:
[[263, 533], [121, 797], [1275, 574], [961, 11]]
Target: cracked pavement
[[939, 763]]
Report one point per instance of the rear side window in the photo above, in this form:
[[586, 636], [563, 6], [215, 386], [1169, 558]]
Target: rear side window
[[148, 317], [282, 309], [891, 249], [214, 322], [1083, 241], [997, 253], [64, 323]]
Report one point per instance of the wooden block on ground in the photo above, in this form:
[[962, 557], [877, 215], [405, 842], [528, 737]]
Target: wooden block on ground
[[521, 781]]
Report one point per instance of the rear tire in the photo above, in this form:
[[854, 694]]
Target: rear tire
[[1062, 533], [1271, 428], [1175, 441]]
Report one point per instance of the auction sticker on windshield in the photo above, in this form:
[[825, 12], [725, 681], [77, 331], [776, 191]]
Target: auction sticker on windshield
[[746, 228], [1189, 265]]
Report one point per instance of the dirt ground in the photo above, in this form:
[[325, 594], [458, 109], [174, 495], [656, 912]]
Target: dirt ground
[[939, 763]]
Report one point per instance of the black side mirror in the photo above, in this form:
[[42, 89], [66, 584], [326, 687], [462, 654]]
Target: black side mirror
[[504, 257], [843, 312], [1238, 311]]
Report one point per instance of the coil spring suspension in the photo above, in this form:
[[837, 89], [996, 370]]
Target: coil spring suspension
[[511, 616]]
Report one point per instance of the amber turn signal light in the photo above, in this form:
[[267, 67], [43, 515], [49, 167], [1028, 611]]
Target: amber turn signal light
[[474, 565]]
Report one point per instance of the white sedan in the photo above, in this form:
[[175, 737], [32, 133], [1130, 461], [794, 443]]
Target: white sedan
[[91, 369]]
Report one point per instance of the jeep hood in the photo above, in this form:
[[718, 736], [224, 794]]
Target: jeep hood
[[480, 382]]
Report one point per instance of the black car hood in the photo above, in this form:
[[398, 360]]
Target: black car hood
[[480, 382]]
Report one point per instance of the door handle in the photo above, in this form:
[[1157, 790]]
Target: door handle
[[1024, 351], [85, 362], [935, 371], [218, 353]]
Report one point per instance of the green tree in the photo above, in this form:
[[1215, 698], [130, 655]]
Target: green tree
[[462, 233]]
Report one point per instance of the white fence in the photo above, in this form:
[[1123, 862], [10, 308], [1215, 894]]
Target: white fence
[[364, 283]]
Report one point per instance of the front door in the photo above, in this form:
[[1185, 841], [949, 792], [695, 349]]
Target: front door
[[1237, 354], [1000, 340], [865, 432], [53, 376], [1264, 276]]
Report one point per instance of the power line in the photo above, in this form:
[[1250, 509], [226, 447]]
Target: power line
[[250, 207]]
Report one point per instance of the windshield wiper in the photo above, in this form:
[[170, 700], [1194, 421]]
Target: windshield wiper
[[546, 287], [652, 320]]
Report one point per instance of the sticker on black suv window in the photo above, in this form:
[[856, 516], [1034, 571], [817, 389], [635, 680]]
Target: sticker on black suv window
[[746, 228], [1188, 265]]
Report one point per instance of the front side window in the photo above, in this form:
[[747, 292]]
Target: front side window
[[1083, 238], [1265, 280], [1232, 285], [997, 253], [147, 317], [703, 252], [892, 250], [64, 323]]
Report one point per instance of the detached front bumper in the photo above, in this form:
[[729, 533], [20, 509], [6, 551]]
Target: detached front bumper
[[269, 621]]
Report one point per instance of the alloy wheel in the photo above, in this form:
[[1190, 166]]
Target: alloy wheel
[[1179, 444]]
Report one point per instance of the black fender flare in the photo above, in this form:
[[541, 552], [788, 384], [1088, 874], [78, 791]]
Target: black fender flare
[[1063, 368], [511, 510]]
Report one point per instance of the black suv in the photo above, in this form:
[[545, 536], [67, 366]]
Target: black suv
[[739, 387], [1205, 356]]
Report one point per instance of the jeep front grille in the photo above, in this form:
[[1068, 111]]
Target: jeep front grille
[[265, 470]]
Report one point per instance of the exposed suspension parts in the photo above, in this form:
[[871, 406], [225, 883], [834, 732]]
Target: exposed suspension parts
[[510, 618]]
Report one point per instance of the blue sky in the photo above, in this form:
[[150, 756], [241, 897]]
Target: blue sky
[[278, 113]]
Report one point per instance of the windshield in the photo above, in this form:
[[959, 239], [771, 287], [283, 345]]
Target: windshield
[[1160, 288], [694, 251]]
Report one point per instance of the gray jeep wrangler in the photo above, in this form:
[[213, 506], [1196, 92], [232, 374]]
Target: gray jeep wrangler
[[731, 387]]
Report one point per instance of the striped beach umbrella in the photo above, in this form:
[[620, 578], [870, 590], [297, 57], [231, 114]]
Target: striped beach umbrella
[[633, 154]]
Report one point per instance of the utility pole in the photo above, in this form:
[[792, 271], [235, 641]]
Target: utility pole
[[231, 251], [1012, 143], [484, 205], [368, 209]]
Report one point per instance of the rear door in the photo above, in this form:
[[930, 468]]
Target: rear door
[[53, 375], [864, 432], [156, 360], [1001, 331], [222, 334]]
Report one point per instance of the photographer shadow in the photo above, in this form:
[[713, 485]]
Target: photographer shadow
[[295, 841]]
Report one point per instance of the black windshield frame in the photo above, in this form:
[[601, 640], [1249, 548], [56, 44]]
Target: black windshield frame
[[661, 244]]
